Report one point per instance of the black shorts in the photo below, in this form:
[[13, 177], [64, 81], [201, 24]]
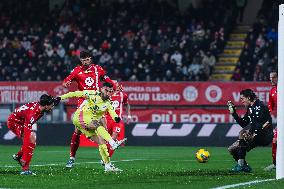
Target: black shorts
[[261, 139]]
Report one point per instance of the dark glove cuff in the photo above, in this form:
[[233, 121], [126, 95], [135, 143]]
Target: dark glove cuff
[[117, 119], [56, 101]]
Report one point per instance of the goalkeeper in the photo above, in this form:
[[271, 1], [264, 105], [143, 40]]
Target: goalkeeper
[[260, 132], [89, 119]]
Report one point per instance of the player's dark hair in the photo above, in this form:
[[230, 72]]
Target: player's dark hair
[[85, 54], [46, 100], [274, 71], [248, 93], [107, 84]]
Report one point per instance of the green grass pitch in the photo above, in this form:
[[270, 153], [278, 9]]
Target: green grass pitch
[[144, 167]]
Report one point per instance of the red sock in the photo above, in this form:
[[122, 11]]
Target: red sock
[[75, 141], [27, 155], [110, 151], [20, 152], [274, 147]]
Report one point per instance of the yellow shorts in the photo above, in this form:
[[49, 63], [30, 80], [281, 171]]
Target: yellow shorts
[[81, 121]]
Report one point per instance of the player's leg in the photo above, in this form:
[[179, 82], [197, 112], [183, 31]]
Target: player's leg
[[117, 133], [17, 130], [109, 167], [274, 148], [233, 149], [102, 132], [239, 149], [102, 147], [74, 145], [29, 144], [75, 141], [109, 124]]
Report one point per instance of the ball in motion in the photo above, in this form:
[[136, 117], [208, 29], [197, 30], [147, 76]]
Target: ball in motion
[[202, 155]]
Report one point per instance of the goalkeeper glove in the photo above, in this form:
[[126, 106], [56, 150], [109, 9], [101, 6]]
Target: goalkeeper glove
[[231, 107], [56, 101]]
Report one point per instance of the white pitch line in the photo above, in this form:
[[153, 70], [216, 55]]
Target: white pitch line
[[57, 164], [242, 184], [95, 162]]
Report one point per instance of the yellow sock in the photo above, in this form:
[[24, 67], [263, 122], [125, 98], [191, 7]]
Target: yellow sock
[[103, 133], [104, 153]]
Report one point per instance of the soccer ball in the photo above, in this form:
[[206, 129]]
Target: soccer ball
[[202, 155]]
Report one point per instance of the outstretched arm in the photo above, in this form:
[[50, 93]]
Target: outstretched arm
[[72, 95]]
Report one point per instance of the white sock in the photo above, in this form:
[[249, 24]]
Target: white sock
[[112, 142], [241, 162], [107, 165], [72, 158]]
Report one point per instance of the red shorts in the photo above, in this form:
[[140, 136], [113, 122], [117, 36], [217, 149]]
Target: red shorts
[[16, 128], [112, 127]]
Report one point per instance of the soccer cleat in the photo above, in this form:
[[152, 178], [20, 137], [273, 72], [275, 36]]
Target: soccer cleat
[[270, 167], [237, 168], [17, 159], [118, 143], [111, 168], [102, 163], [246, 168], [27, 172], [70, 163]]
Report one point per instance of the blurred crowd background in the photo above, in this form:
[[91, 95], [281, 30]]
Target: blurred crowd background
[[133, 40]]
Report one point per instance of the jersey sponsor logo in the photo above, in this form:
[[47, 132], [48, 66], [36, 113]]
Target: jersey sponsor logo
[[115, 104], [89, 81], [104, 107]]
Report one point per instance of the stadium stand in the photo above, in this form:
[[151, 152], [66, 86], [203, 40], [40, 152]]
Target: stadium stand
[[259, 54], [132, 40]]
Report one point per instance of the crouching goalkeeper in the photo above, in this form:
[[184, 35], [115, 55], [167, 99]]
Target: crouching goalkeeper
[[260, 132]]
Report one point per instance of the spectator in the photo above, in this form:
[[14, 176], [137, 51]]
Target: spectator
[[122, 37]]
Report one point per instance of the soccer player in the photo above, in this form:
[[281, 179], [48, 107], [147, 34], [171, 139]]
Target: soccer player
[[88, 119], [88, 77], [20, 123], [272, 105], [119, 100], [259, 134]]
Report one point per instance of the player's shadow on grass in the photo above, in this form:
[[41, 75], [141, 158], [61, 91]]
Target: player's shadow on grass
[[199, 173]]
